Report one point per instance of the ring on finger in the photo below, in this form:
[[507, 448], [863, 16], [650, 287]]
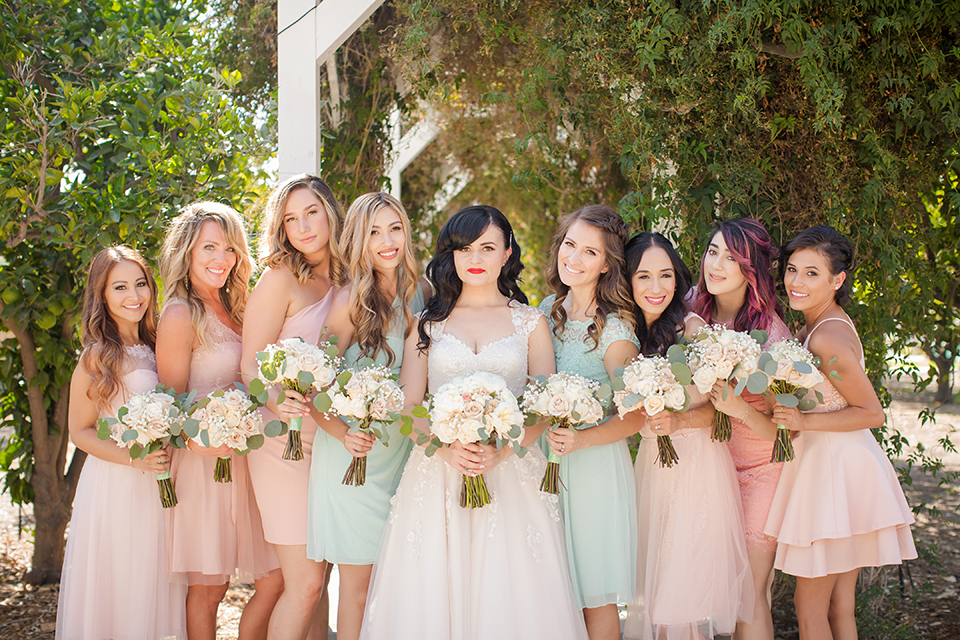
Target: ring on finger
[[562, 447]]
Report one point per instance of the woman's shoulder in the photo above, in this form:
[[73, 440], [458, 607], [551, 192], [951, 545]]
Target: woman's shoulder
[[274, 278], [175, 315], [832, 336], [525, 317], [546, 305], [692, 323]]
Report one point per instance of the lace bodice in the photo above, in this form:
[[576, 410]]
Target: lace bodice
[[216, 364], [832, 400], [574, 349], [140, 374], [506, 357]]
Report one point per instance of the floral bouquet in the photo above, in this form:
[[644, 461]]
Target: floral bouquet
[[789, 371], [655, 383], [296, 366], [146, 423], [566, 400], [475, 408], [371, 394], [717, 353], [227, 417]]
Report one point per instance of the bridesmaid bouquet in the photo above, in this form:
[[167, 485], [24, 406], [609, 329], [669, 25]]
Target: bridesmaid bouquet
[[717, 353], [296, 366], [146, 423], [655, 383], [227, 417], [369, 395], [789, 371], [475, 408], [566, 400]]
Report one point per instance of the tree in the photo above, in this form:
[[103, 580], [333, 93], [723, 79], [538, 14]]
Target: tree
[[111, 119]]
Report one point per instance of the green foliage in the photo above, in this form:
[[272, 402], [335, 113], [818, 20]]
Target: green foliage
[[112, 118]]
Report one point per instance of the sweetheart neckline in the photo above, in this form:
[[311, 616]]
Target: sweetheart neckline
[[477, 353]]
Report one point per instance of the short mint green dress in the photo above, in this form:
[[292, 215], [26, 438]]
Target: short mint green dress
[[345, 523], [598, 505]]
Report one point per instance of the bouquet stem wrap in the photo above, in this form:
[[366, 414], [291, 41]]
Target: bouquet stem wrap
[[294, 450], [473, 493], [168, 497], [551, 482], [721, 429], [222, 472]]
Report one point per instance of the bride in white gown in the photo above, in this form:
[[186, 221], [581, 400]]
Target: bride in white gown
[[445, 572]]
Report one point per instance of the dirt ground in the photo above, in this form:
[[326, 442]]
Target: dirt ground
[[919, 602]]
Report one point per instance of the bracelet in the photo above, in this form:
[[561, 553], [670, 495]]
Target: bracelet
[[746, 412], [690, 413]]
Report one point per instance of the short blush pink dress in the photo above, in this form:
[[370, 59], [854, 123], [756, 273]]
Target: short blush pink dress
[[756, 475], [839, 505], [116, 579], [281, 485], [215, 528]]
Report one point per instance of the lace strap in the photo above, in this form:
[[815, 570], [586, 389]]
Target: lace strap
[[615, 330], [525, 318]]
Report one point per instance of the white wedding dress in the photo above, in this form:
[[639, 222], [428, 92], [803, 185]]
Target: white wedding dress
[[444, 572]]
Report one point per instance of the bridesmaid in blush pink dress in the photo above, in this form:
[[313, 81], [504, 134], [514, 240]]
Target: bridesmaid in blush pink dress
[[116, 578], [303, 265], [216, 530], [839, 505], [736, 289]]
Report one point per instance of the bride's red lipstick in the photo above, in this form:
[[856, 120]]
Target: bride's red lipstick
[[476, 271]]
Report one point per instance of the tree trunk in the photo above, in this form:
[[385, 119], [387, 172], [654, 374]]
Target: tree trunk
[[944, 377]]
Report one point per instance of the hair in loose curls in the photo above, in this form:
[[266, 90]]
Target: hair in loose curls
[[103, 352], [751, 246], [835, 247], [274, 246], [660, 335], [182, 236], [611, 293], [461, 230], [371, 312]]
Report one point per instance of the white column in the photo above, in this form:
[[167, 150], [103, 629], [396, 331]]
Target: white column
[[298, 78]]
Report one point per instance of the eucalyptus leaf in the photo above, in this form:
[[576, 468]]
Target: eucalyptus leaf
[[191, 427], [322, 402], [787, 399], [420, 411], [802, 367], [681, 372], [741, 385], [760, 336], [676, 353], [757, 382], [204, 438], [255, 441], [128, 435], [273, 429], [806, 404]]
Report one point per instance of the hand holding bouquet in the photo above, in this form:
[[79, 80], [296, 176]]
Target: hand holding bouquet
[[566, 400], [655, 383], [371, 394], [717, 353], [475, 408], [145, 424], [789, 371], [225, 417], [296, 366]]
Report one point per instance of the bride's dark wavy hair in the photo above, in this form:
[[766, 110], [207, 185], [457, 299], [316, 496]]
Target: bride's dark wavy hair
[[461, 230], [660, 335]]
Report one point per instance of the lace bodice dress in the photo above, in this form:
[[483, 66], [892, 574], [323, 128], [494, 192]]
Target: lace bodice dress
[[216, 528], [839, 504], [116, 576], [448, 573], [597, 499]]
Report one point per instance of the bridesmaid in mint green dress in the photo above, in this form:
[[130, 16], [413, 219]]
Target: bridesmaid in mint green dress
[[371, 316], [590, 318]]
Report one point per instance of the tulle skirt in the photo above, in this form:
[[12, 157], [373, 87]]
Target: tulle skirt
[[693, 574], [449, 573], [116, 579]]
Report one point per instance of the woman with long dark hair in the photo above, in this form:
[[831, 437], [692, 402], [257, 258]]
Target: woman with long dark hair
[[447, 572]]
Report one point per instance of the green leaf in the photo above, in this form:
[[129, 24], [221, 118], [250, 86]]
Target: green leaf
[[305, 377], [274, 429], [806, 404], [631, 399], [787, 399], [322, 402], [420, 411], [257, 387], [741, 385], [676, 354], [803, 367], [255, 442], [191, 427], [681, 372], [205, 438], [128, 435], [760, 336], [344, 377], [758, 382]]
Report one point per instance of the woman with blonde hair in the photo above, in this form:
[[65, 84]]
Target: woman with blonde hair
[[371, 316], [302, 268], [118, 538], [216, 531]]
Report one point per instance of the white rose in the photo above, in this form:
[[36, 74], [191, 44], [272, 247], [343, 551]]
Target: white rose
[[712, 354], [559, 406], [723, 369], [704, 378], [784, 367], [675, 396], [472, 410], [726, 337], [232, 417], [378, 408], [644, 387], [654, 404], [469, 431]]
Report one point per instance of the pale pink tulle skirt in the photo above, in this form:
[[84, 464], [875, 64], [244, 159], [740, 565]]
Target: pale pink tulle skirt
[[215, 529], [116, 581], [693, 574]]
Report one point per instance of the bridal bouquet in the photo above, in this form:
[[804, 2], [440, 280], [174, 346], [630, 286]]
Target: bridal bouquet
[[296, 366], [476, 408], [566, 400], [790, 371], [655, 383], [371, 394], [717, 353], [146, 423], [227, 417]]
